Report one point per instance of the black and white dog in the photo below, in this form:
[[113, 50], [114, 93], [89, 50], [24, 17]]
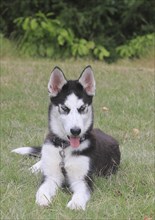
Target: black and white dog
[[72, 151]]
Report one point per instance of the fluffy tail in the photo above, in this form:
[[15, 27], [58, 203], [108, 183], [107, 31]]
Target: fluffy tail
[[31, 151]]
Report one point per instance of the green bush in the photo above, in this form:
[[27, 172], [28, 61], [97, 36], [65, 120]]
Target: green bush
[[46, 37], [137, 46], [108, 24]]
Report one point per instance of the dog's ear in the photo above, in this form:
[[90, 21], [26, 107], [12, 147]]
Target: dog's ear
[[87, 81], [56, 82]]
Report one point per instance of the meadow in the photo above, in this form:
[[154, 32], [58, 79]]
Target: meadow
[[123, 108]]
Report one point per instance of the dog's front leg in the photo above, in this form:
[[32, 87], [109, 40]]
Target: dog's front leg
[[47, 191], [81, 195]]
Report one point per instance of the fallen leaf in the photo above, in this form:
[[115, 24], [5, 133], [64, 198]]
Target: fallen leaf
[[105, 109], [147, 218], [135, 131]]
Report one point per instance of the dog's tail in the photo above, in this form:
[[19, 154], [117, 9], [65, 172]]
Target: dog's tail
[[31, 151]]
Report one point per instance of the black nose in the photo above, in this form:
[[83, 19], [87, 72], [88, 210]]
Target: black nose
[[75, 131]]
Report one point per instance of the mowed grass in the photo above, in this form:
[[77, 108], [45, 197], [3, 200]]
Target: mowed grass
[[127, 91]]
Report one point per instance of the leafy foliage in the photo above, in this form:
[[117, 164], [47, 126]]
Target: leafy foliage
[[47, 37], [108, 24], [136, 47]]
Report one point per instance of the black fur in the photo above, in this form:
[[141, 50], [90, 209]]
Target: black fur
[[35, 152], [103, 149], [72, 86], [56, 141], [106, 157]]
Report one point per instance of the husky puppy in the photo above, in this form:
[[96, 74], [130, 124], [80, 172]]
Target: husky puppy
[[73, 150]]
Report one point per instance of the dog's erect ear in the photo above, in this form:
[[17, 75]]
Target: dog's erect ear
[[56, 82], [87, 81]]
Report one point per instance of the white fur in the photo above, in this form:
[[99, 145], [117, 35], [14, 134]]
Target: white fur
[[22, 150], [36, 168], [46, 192], [77, 168], [71, 120], [80, 196], [84, 145], [50, 166]]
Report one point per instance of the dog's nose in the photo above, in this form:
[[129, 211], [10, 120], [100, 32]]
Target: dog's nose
[[75, 131]]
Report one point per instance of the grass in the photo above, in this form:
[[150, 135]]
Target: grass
[[126, 89]]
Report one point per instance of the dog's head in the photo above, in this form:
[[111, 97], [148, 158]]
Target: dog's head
[[70, 112]]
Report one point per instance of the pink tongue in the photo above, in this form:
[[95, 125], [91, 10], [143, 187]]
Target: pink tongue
[[74, 141]]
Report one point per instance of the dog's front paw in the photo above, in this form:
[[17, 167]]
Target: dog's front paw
[[36, 168], [76, 204], [43, 198]]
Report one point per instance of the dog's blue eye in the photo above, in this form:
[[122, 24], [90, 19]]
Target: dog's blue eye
[[64, 109], [82, 109]]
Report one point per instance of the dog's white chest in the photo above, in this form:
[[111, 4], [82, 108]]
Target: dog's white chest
[[76, 166]]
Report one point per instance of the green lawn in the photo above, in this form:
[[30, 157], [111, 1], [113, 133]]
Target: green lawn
[[126, 89]]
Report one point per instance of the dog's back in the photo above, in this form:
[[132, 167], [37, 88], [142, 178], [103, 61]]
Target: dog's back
[[106, 157]]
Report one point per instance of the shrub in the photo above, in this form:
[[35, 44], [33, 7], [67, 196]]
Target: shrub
[[136, 47], [46, 37]]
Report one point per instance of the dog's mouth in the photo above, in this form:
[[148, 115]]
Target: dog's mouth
[[74, 141]]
